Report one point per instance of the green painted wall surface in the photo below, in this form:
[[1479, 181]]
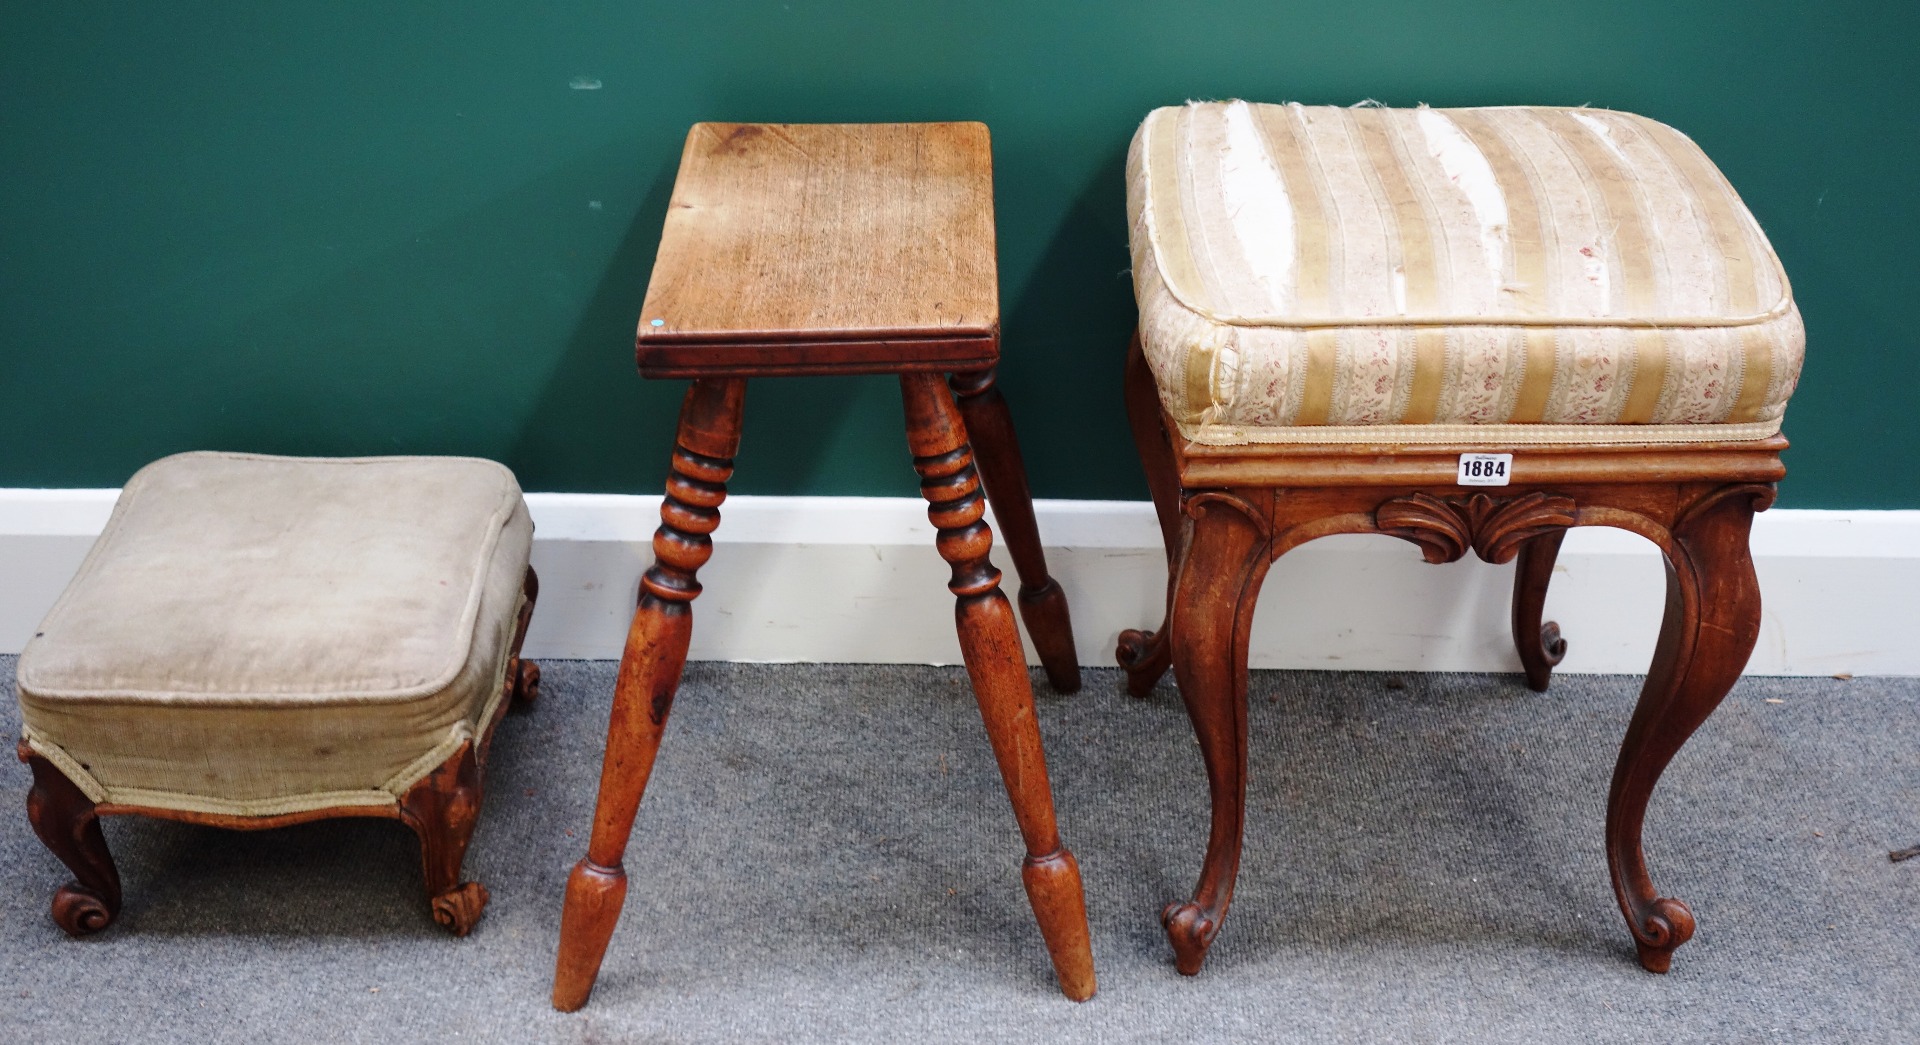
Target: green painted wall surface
[[365, 228]]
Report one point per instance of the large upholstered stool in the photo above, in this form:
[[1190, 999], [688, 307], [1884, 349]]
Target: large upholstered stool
[[261, 641], [812, 249], [1470, 329]]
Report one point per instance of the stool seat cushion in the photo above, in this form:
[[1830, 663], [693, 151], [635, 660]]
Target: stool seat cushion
[[1506, 275], [258, 635]]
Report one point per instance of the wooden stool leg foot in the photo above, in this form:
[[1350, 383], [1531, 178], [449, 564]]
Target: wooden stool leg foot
[[526, 683], [650, 667], [1190, 929], [990, 644], [459, 909], [1145, 654], [1044, 609], [1711, 623], [65, 819], [1540, 644], [1060, 906], [443, 809], [1665, 924], [523, 676], [595, 895], [1220, 575], [1043, 605]]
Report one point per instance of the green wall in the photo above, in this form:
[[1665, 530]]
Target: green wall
[[364, 228]]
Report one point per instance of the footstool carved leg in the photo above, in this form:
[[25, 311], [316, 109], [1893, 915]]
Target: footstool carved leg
[[443, 809], [523, 676], [1711, 623], [64, 818], [444, 806], [1220, 572], [990, 644], [1540, 645], [1145, 654], [526, 683], [650, 667], [1043, 606]]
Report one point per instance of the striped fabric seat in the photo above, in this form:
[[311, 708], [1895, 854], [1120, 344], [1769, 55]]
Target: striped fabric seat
[[1508, 275]]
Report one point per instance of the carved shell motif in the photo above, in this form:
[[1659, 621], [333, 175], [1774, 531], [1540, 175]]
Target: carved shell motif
[[1492, 527]]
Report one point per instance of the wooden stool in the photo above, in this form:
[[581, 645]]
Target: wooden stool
[[837, 249], [1350, 318], [261, 641]]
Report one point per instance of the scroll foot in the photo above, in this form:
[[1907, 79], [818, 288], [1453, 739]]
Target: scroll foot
[[459, 909], [79, 911], [526, 684], [1145, 655], [68, 823], [1191, 929], [1666, 925]]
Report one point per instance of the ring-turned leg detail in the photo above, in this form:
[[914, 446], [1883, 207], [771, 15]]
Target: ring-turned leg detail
[[990, 645], [1540, 644], [1712, 620], [64, 818], [1043, 605], [650, 668], [1225, 560]]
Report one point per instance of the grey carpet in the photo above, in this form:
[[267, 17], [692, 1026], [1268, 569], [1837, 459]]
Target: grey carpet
[[826, 854]]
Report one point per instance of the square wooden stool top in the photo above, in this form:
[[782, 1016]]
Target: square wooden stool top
[[825, 248]]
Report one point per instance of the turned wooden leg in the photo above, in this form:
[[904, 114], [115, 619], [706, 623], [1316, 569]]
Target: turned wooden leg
[[1219, 581], [1145, 654], [443, 809], [990, 644], [1540, 645], [656, 651], [64, 818], [1712, 620], [1043, 606]]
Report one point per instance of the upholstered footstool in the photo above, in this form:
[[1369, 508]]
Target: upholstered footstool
[[260, 641], [1471, 329]]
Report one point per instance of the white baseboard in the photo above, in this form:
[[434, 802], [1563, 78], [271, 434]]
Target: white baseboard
[[856, 579]]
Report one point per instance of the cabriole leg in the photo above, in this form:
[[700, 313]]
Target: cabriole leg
[[1219, 581], [1712, 620], [443, 809], [64, 818], [1540, 645], [1145, 654], [523, 676]]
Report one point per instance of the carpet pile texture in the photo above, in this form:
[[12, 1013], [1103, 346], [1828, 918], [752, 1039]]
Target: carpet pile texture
[[826, 854]]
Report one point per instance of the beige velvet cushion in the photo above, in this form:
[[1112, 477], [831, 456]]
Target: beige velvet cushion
[[1509, 275], [261, 635]]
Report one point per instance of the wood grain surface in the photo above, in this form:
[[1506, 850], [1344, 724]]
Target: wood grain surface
[[822, 233]]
